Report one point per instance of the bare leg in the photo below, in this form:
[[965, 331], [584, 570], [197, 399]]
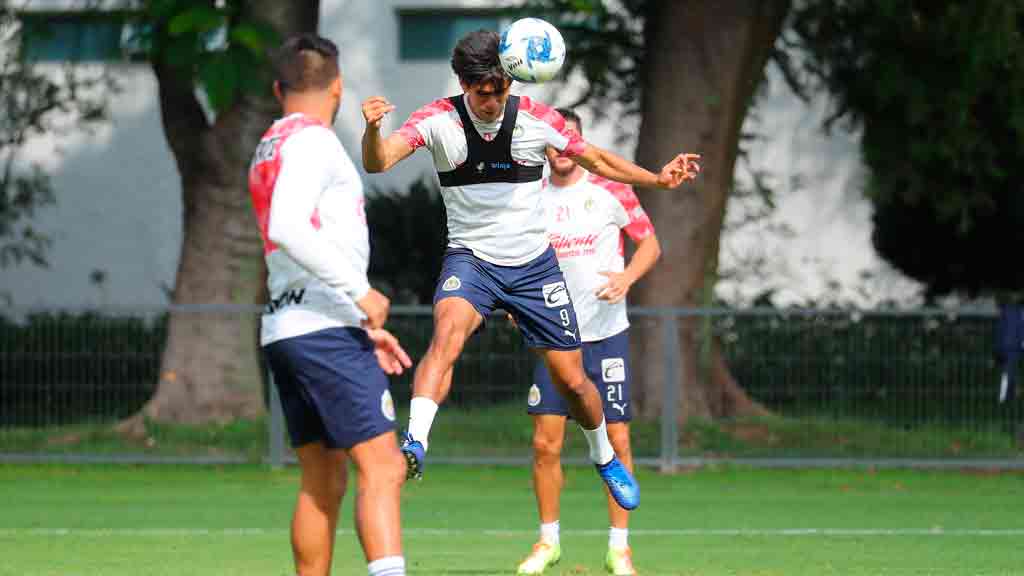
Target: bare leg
[[324, 475], [618, 433], [584, 403], [455, 319], [581, 396], [381, 472], [548, 437]]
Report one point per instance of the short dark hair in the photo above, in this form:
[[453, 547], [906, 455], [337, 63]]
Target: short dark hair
[[570, 115], [306, 62], [475, 59]]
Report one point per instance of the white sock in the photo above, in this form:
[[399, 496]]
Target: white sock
[[601, 451], [421, 417], [549, 533], [618, 537], [387, 566]]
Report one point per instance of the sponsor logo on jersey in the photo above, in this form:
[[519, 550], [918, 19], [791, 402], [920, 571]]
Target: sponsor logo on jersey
[[265, 150], [518, 131], [568, 241], [533, 398], [613, 369], [452, 283], [387, 405], [288, 298], [588, 204], [620, 407], [570, 334], [569, 246], [480, 167], [556, 295]]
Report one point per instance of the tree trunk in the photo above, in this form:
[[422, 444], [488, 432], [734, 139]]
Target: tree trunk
[[704, 60], [210, 369]]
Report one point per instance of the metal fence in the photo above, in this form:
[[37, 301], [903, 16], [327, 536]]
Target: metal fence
[[835, 387]]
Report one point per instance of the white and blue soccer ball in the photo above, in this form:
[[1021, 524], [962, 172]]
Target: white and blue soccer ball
[[531, 50]]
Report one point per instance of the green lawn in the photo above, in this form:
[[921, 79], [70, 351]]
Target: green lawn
[[164, 520]]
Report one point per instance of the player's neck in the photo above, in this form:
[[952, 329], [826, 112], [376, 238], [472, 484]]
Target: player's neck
[[309, 106], [569, 179]]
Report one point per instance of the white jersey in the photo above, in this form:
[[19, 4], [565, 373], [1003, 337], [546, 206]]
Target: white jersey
[[501, 223], [309, 203], [586, 221]]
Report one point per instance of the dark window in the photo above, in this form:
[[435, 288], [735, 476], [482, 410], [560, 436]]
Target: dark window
[[71, 37], [432, 35]]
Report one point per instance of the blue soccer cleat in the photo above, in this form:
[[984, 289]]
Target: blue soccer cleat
[[621, 483], [414, 457]]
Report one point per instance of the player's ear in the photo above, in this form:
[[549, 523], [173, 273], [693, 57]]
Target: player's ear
[[336, 87], [278, 92]]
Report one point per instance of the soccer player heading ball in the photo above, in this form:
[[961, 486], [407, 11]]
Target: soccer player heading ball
[[488, 147]]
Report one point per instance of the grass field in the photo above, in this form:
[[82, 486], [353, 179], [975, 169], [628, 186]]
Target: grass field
[[183, 520]]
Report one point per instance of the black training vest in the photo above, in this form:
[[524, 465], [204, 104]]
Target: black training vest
[[491, 161]]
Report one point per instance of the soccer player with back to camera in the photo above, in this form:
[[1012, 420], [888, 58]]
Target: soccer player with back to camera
[[322, 330], [586, 217], [488, 149]]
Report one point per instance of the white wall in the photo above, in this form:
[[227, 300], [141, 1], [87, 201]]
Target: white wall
[[118, 196], [818, 179], [118, 209]]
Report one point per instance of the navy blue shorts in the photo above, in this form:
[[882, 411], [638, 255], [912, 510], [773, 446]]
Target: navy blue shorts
[[606, 363], [534, 294], [332, 388]]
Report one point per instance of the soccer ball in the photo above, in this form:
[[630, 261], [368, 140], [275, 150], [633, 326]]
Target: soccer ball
[[531, 50]]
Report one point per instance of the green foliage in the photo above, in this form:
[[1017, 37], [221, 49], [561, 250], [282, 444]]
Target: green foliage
[[216, 45], [938, 89], [60, 368]]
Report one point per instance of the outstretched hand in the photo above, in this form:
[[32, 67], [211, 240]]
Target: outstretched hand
[[390, 354], [374, 110], [682, 168]]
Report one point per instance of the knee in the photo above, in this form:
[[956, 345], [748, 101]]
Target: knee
[[577, 383], [546, 448], [325, 491], [387, 474], [335, 488]]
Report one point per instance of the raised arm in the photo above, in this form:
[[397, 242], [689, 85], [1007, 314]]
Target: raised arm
[[614, 167], [380, 154]]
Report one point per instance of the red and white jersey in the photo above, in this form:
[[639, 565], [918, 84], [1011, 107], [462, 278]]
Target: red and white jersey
[[586, 221], [309, 203], [502, 223]]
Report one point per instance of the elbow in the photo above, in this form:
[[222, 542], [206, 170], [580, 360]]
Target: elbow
[[655, 250], [374, 167]]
